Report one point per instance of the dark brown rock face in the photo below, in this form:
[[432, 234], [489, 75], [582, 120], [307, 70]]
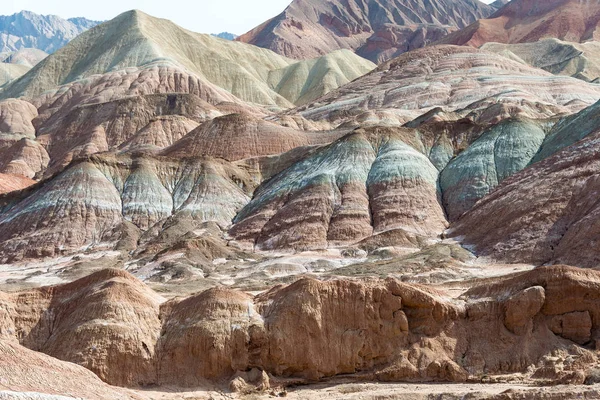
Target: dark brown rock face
[[112, 324], [377, 30]]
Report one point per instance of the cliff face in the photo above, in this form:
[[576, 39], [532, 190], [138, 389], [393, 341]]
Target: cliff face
[[376, 30], [115, 326]]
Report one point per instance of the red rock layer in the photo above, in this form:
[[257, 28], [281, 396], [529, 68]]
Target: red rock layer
[[382, 329], [524, 21], [547, 213], [377, 30]]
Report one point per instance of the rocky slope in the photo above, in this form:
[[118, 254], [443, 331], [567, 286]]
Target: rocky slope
[[377, 30], [44, 32], [528, 219], [10, 72], [538, 326], [529, 21], [579, 60], [94, 202], [240, 136], [363, 184], [11, 183], [486, 86], [27, 57], [135, 39]]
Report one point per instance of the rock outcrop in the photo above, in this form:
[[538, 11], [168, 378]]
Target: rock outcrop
[[30, 375], [500, 152], [10, 183], [309, 330], [235, 137], [364, 183], [579, 60], [376, 30], [88, 204]]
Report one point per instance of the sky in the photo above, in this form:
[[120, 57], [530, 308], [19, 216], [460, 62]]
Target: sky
[[205, 16]]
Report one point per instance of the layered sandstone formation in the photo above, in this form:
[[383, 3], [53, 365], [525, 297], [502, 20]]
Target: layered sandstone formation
[[10, 183], [498, 153], [524, 21], [363, 184], [376, 30], [92, 203], [540, 324], [486, 86], [29, 375], [236, 137], [547, 213]]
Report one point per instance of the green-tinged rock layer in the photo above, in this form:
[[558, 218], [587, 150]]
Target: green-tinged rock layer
[[86, 204], [361, 184], [500, 152]]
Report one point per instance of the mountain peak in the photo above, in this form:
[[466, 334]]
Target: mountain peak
[[374, 29], [48, 33]]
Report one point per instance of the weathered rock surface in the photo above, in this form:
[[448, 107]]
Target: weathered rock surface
[[86, 205], [546, 213], [30, 375], [16, 117], [529, 21], [135, 39], [235, 137], [10, 183], [522, 307], [376, 30], [143, 122], [500, 152], [309, 330], [364, 183], [458, 79], [570, 130]]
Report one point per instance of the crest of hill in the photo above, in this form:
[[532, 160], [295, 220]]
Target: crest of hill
[[9, 72], [134, 39], [524, 21], [375, 29]]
